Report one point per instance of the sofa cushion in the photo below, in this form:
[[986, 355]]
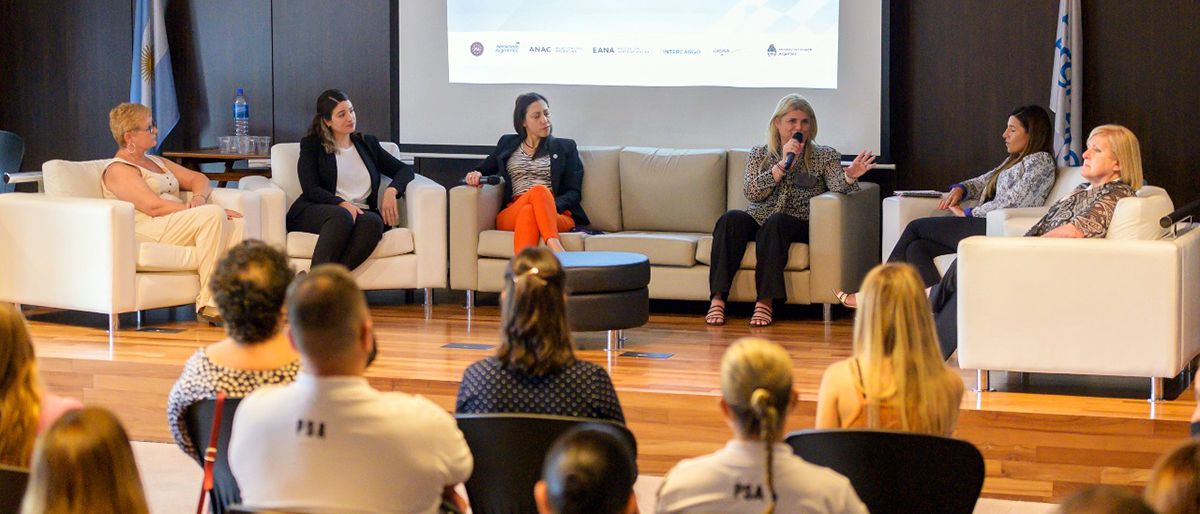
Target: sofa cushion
[[735, 178], [797, 255], [602, 186], [662, 248], [1066, 179], [499, 243], [668, 190], [166, 257], [397, 241], [1137, 217], [74, 179]]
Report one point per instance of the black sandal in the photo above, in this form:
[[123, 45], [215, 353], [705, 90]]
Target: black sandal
[[762, 316], [715, 316]]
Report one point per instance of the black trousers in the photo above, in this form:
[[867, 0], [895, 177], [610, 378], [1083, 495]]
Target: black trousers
[[926, 238], [341, 238], [735, 229], [943, 298]]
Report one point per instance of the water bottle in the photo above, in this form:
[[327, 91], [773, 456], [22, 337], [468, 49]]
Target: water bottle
[[241, 115]]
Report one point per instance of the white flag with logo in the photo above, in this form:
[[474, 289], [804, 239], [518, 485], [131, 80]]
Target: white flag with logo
[[1066, 86]]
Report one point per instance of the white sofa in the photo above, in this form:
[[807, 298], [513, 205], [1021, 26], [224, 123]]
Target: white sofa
[[72, 249], [412, 255], [1126, 305], [663, 203]]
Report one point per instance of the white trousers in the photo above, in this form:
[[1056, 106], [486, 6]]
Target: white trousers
[[205, 228]]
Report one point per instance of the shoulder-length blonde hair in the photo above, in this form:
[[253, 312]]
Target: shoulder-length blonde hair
[[83, 464], [1174, 486], [893, 325], [756, 384], [792, 102], [20, 391], [1126, 149], [534, 335]]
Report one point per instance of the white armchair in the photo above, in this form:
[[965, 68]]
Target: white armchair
[[72, 249], [412, 255]]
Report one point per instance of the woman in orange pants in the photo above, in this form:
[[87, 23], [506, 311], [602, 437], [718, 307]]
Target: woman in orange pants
[[542, 175]]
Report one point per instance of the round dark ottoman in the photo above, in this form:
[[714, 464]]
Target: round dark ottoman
[[607, 291]]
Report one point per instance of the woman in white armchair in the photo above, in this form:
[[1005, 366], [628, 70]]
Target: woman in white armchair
[[153, 185]]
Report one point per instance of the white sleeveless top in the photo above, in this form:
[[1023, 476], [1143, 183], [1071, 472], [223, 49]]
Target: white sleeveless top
[[164, 185]]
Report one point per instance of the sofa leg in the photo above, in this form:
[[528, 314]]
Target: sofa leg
[[1156, 389], [982, 381], [139, 320], [470, 299], [429, 297], [114, 323], [827, 312]]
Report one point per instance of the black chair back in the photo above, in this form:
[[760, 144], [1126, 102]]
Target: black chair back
[[898, 472], [12, 487], [198, 418], [509, 450], [12, 150]]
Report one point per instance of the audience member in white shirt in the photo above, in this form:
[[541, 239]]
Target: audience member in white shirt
[[756, 472], [590, 469], [331, 442]]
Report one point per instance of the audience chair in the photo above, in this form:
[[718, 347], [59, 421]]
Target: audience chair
[[71, 248], [411, 255], [12, 487], [199, 419], [508, 451], [898, 472]]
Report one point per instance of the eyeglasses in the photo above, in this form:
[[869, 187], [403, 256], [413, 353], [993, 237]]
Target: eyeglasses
[[153, 127]]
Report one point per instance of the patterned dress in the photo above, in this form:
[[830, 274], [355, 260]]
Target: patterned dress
[[789, 197], [202, 378], [581, 390], [1089, 208]]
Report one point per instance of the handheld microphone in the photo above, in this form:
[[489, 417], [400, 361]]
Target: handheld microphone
[[791, 157], [491, 180], [1179, 214]]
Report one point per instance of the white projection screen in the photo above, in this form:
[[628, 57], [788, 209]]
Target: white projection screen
[[628, 72]]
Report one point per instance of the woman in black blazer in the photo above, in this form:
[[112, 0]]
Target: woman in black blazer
[[339, 175], [543, 176]]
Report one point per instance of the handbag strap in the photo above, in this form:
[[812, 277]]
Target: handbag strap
[[210, 453]]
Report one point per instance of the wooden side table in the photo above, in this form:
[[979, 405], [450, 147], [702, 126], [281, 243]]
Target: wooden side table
[[192, 159]]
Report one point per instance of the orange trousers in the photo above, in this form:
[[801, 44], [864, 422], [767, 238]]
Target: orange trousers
[[533, 217]]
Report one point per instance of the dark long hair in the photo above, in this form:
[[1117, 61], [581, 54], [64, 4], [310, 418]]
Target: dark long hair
[[519, 111], [326, 103], [1036, 122], [534, 335]]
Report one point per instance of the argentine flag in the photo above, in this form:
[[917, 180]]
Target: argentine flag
[[1066, 86], [151, 81]]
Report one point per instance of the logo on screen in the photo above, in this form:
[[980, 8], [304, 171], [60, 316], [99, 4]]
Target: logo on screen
[[477, 49], [539, 49], [603, 50], [771, 50]]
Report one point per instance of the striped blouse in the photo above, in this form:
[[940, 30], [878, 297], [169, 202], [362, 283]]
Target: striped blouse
[[527, 172]]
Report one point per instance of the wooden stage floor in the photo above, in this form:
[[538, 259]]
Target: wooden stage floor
[[1037, 447]]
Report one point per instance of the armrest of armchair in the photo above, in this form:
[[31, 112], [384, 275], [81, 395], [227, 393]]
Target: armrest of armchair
[[425, 203], [273, 214], [472, 210], [1087, 306], [1014, 222], [843, 230], [898, 212], [247, 203], [70, 253]]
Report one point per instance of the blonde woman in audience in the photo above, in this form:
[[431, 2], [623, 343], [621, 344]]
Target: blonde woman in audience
[[26, 409], [1104, 499], [84, 465], [1174, 486], [896, 378], [756, 472], [153, 185]]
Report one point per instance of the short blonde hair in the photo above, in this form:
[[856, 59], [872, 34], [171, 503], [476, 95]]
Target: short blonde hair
[[756, 384], [792, 102], [124, 118], [1174, 486], [1127, 150]]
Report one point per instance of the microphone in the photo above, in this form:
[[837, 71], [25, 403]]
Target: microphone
[[791, 157], [1179, 214], [491, 180]]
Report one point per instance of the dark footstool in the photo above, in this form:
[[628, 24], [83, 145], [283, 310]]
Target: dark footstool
[[607, 291]]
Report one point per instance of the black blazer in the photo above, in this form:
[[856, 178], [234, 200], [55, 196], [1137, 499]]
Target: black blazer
[[566, 172], [317, 170]]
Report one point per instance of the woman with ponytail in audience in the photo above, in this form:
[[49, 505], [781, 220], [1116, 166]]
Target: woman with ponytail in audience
[[535, 370], [897, 378], [84, 465], [26, 409], [756, 472]]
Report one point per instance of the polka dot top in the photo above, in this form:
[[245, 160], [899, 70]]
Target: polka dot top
[[581, 390]]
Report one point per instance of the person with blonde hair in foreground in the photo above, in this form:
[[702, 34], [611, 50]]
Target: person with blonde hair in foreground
[[896, 378], [1104, 499], [84, 465], [26, 409], [756, 472], [1174, 486]]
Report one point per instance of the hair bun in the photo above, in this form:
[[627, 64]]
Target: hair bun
[[760, 399]]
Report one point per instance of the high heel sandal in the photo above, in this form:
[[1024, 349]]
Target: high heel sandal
[[762, 316], [715, 316], [842, 296]]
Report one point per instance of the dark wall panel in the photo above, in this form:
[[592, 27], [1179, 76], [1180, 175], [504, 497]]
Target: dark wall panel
[[218, 46], [65, 64], [319, 45]]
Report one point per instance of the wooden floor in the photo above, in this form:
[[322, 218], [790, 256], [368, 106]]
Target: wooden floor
[[1036, 446]]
